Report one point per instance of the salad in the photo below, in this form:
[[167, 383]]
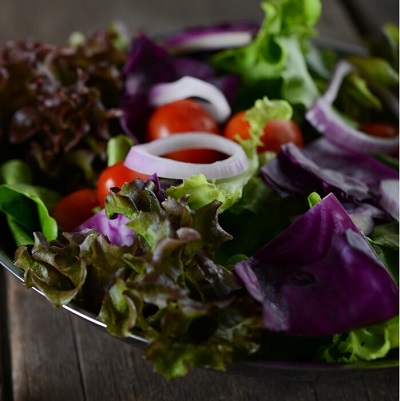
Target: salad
[[228, 193]]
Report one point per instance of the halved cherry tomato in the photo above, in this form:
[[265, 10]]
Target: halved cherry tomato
[[275, 132], [115, 176], [381, 130], [75, 208], [183, 116]]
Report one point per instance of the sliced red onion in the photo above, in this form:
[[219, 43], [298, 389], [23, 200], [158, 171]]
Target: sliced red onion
[[390, 197], [186, 87], [323, 117], [327, 121], [212, 38], [145, 158]]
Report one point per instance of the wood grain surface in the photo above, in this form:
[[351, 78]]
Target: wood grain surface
[[57, 356], [53, 21], [47, 354]]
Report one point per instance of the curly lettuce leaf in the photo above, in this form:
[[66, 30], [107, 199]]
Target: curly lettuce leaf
[[211, 335], [264, 110], [274, 63], [120, 308], [79, 265], [59, 107], [54, 270], [165, 286], [201, 191], [365, 344]]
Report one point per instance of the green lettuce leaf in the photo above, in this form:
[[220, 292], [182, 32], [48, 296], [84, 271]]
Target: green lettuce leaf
[[274, 63], [364, 344], [15, 171], [117, 148], [385, 241], [377, 70], [201, 191], [27, 210], [386, 45], [25, 205]]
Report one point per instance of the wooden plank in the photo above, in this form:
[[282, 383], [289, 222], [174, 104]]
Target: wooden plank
[[111, 369], [54, 21], [115, 370], [370, 386], [5, 362], [44, 360]]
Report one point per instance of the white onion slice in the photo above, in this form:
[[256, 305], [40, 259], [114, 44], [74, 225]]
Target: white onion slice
[[212, 41], [186, 87], [390, 197], [210, 38], [324, 118], [145, 158], [328, 122]]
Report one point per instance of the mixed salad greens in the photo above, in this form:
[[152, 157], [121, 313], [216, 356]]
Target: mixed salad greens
[[289, 255]]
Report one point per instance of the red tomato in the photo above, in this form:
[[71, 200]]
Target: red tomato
[[237, 126], [183, 116], [276, 132], [75, 208], [115, 176], [382, 130]]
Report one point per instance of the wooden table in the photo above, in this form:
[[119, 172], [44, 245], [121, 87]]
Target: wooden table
[[48, 354]]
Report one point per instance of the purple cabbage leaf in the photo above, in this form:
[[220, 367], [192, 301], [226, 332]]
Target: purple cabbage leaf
[[320, 276], [323, 168], [114, 229]]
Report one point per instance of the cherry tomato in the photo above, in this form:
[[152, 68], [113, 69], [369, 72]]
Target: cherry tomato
[[382, 130], [183, 116], [115, 176], [237, 126], [75, 208], [275, 132]]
